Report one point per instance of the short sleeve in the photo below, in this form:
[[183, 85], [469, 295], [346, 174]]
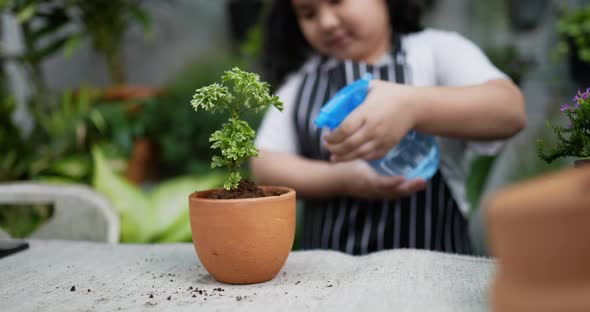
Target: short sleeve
[[459, 62], [277, 130]]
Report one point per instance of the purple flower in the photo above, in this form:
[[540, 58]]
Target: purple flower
[[564, 107], [585, 95]]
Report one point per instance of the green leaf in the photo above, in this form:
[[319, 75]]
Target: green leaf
[[479, 171], [214, 97], [217, 162], [136, 213], [75, 167], [71, 45], [233, 181], [53, 22], [48, 50], [26, 13], [170, 200], [571, 141], [240, 91], [179, 231]]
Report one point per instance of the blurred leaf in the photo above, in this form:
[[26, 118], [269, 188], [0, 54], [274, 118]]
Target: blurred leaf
[[48, 50], [75, 167], [53, 22], [479, 171], [170, 199], [144, 20], [252, 46], [180, 231], [136, 213], [72, 44], [26, 13], [573, 28], [15, 152], [20, 221], [160, 215]]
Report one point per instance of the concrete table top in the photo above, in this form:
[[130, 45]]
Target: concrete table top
[[84, 276]]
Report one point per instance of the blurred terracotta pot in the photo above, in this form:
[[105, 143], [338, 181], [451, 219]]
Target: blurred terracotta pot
[[144, 161], [540, 232], [243, 241], [131, 93]]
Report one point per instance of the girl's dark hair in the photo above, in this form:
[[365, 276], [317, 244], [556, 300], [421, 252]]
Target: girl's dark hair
[[285, 49]]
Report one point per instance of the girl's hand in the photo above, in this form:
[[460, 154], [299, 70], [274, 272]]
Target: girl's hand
[[360, 180], [376, 126]]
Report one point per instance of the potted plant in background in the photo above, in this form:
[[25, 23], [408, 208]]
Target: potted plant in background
[[136, 115], [50, 26], [575, 41], [106, 23], [242, 233], [573, 140]]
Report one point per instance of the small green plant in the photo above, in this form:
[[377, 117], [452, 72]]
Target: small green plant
[[575, 139], [574, 28], [240, 91]]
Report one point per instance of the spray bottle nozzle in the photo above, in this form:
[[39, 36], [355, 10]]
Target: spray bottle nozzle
[[343, 103]]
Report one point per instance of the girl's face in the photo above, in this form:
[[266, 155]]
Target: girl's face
[[345, 29]]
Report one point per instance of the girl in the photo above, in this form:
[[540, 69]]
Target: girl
[[432, 81]]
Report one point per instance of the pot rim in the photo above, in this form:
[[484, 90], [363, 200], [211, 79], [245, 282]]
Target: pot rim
[[290, 193]]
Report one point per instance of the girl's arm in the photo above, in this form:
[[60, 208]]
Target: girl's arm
[[492, 110], [321, 179]]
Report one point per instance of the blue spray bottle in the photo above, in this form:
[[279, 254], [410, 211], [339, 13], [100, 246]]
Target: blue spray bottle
[[416, 156]]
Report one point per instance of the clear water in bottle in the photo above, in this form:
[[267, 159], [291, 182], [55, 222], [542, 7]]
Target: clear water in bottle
[[416, 156]]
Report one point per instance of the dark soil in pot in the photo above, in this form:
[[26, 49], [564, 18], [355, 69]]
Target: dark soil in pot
[[246, 189]]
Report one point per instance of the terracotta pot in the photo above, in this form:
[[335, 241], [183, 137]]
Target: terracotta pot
[[243, 241], [540, 232], [581, 162]]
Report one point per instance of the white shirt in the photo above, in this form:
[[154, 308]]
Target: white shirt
[[436, 58]]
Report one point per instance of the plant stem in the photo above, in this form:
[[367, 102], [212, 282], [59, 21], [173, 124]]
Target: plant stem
[[116, 66]]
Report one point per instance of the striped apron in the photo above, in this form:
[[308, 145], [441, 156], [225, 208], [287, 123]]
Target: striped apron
[[429, 219]]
